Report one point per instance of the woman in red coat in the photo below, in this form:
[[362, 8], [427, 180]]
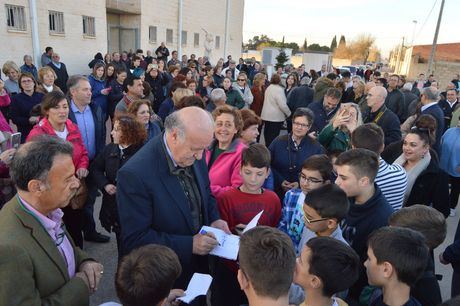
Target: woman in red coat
[[55, 110]]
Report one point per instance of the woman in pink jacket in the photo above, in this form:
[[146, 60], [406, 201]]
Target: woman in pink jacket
[[224, 154], [55, 110]]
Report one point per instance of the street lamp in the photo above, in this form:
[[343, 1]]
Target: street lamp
[[413, 33]]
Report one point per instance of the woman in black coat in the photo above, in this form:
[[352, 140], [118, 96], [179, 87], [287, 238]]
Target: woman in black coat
[[427, 184], [128, 137]]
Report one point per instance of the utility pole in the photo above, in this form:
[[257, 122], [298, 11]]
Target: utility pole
[[435, 40], [398, 57]]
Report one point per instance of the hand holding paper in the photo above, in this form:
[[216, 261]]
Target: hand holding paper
[[199, 285]]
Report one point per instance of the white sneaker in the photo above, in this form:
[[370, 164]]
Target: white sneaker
[[452, 212]]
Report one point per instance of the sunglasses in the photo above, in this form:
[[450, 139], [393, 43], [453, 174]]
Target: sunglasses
[[241, 80]]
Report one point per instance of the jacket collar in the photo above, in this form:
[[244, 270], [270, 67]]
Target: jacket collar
[[41, 237], [231, 148]]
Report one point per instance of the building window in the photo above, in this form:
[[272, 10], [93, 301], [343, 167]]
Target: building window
[[15, 17], [184, 38], [196, 40], [153, 34], [217, 42], [56, 22], [89, 26], [169, 36]]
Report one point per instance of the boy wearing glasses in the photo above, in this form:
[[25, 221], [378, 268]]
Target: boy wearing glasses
[[316, 172], [369, 209], [238, 206]]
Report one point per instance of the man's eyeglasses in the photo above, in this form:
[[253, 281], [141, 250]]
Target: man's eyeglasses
[[302, 125], [312, 180], [310, 221]]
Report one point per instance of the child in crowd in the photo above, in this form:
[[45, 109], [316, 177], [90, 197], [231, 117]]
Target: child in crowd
[[369, 210], [397, 258], [145, 277], [325, 267], [432, 225], [267, 263], [238, 206], [324, 208], [316, 172]]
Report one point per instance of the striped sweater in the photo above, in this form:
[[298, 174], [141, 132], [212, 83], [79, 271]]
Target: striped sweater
[[392, 181]]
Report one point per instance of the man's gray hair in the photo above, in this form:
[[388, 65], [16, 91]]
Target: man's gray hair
[[33, 160], [74, 80], [431, 93], [218, 94], [407, 86], [174, 122]]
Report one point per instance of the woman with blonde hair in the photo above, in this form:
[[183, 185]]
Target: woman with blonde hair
[[11, 70], [46, 77], [336, 136]]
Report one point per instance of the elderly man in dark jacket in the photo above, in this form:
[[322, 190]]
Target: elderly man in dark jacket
[[429, 98], [395, 99], [381, 115], [409, 97]]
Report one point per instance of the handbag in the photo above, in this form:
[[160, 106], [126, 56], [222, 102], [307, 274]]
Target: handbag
[[79, 199]]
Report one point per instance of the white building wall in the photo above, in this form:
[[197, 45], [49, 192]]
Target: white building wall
[[75, 49]]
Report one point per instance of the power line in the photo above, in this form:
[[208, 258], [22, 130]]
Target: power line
[[426, 19]]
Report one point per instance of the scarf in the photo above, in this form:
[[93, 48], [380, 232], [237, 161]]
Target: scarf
[[413, 173]]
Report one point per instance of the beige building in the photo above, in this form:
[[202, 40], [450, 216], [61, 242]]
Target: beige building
[[78, 29]]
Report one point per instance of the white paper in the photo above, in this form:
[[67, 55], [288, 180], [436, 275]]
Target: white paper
[[199, 285], [253, 222], [229, 244]]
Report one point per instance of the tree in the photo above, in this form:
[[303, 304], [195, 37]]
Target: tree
[[317, 47], [342, 40], [281, 59], [360, 48], [304, 46], [334, 43]]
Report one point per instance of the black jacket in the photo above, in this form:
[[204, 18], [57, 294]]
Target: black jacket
[[447, 110], [431, 188], [300, 96], [389, 123], [62, 76], [395, 101], [157, 89], [115, 95], [104, 171], [437, 113]]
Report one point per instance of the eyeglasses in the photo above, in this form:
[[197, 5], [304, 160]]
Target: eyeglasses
[[27, 81], [302, 125], [310, 221], [312, 180], [241, 80]]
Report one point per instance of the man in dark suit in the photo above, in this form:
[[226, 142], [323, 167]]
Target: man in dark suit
[[39, 263], [163, 193], [429, 98], [91, 123]]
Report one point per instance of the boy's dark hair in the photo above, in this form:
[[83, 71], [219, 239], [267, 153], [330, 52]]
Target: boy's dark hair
[[320, 163], [129, 81], [256, 155], [361, 161], [368, 136], [267, 259], [403, 248], [146, 275], [424, 219], [346, 74], [330, 258], [329, 201]]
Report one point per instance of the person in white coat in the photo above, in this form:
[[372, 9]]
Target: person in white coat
[[275, 109]]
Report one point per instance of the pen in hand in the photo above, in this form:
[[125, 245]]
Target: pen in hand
[[203, 232]]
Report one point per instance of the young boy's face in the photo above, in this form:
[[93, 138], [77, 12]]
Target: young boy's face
[[313, 221], [253, 178], [310, 180], [302, 274], [373, 269], [347, 181]]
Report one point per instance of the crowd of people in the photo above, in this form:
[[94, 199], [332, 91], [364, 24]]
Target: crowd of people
[[354, 195]]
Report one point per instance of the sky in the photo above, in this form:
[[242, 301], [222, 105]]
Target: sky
[[319, 20]]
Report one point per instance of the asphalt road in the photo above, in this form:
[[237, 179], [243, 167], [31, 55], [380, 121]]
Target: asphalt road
[[106, 253]]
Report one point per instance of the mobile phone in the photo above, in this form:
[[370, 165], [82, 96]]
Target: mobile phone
[[15, 140]]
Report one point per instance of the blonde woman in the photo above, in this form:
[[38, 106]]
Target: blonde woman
[[11, 70], [336, 136]]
